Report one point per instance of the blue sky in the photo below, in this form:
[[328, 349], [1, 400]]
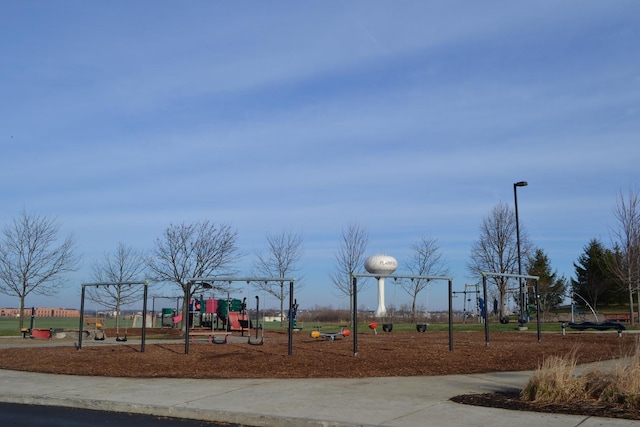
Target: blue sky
[[411, 118]]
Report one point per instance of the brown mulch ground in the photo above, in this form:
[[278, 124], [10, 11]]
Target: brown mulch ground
[[393, 354], [512, 401]]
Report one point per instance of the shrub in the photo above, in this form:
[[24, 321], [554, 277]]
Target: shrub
[[555, 382]]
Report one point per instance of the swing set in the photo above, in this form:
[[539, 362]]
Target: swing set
[[519, 277], [470, 307], [354, 278], [102, 337], [208, 281], [387, 321]]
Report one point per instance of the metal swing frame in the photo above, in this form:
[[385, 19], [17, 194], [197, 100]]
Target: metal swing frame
[[517, 276], [144, 308], [193, 280], [354, 277]]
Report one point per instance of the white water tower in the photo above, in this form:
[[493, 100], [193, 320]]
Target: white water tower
[[384, 265]]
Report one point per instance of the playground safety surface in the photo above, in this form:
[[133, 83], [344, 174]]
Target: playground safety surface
[[383, 355]]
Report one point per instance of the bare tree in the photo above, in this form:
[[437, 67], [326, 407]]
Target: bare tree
[[193, 250], [426, 260], [281, 258], [350, 259], [32, 259], [625, 262], [496, 250], [126, 264]]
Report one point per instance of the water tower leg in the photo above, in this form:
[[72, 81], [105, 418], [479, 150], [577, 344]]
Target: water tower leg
[[381, 310]]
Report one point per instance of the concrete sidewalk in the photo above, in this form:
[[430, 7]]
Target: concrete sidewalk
[[397, 401]]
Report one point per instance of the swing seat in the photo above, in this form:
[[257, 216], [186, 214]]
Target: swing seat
[[421, 327], [387, 327], [260, 342]]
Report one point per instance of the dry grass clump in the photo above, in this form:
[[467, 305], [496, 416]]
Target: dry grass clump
[[555, 382], [621, 386]]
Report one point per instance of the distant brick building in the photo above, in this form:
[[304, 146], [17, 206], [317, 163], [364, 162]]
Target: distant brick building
[[40, 312]]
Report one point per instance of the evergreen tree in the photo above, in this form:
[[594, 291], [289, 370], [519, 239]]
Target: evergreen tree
[[551, 288], [593, 282]]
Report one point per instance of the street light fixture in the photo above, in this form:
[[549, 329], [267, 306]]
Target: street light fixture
[[523, 311]]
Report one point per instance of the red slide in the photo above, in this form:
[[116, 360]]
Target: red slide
[[234, 321]]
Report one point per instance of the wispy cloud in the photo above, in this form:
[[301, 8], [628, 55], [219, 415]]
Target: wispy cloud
[[411, 118]]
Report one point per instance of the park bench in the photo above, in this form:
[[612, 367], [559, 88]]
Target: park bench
[[618, 317]]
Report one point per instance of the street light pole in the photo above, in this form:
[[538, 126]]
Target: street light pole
[[523, 311]]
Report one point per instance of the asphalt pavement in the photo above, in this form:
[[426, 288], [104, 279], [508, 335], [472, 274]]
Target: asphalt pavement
[[395, 401]]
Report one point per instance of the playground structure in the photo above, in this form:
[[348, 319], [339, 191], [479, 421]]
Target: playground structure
[[470, 303], [517, 276], [229, 314], [165, 315], [513, 299], [213, 317], [228, 326], [208, 283]]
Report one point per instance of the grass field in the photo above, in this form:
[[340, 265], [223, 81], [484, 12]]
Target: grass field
[[10, 326]]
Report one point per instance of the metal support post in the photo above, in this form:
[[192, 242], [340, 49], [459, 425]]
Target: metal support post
[[355, 316]]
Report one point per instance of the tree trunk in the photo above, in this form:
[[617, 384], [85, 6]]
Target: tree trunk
[[503, 294], [638, 300], [21, 323], [118, 315], [502, 309], [631, 310], [413, 308], [281, 303]]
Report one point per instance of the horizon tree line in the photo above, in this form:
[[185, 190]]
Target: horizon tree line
[[34, 259]]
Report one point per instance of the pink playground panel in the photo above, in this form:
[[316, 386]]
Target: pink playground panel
[[211, 305]]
